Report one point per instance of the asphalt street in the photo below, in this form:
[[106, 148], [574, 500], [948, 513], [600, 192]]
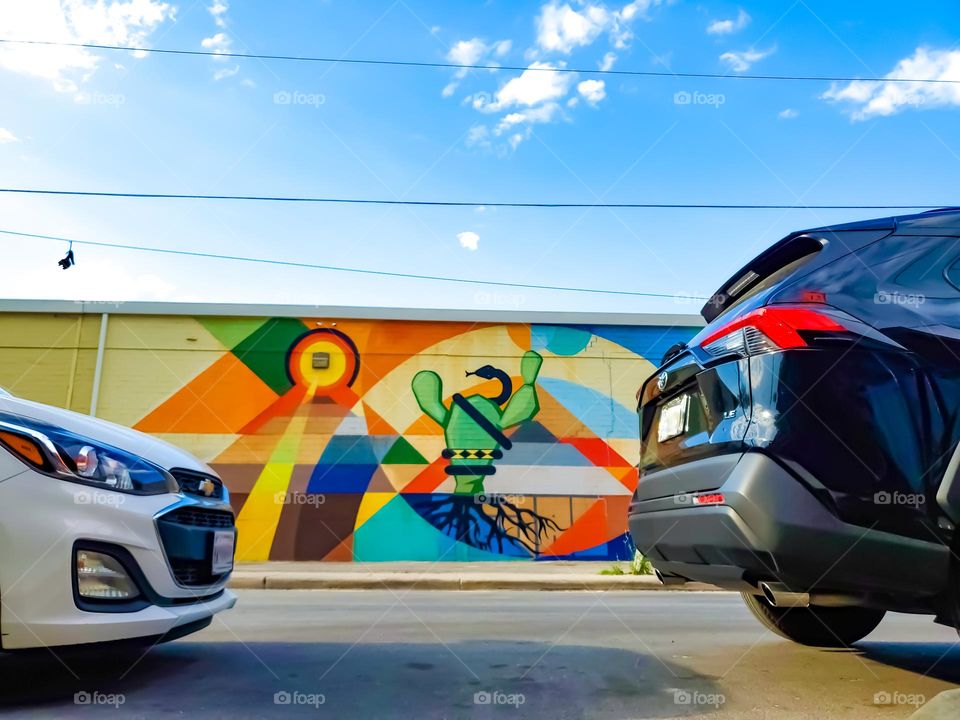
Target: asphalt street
[[419, 654]]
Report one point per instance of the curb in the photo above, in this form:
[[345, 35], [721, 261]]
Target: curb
[[241, 580], [944, 706]]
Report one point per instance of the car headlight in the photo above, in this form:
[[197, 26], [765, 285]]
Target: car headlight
[[66, 455]]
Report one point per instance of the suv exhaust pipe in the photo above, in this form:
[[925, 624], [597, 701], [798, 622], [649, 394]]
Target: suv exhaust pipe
[[669, 579], [778, 595]]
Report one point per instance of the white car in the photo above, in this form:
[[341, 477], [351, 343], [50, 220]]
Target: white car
[[105, 533]]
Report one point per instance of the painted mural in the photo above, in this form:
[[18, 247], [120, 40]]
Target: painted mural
[[395, 440]]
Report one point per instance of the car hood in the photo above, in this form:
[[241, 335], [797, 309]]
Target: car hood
[[149, 448]]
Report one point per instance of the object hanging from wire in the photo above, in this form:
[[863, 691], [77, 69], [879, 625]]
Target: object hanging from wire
[[68, 261]]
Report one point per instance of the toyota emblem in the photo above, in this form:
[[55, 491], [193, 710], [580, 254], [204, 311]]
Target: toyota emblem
[[662, 380]]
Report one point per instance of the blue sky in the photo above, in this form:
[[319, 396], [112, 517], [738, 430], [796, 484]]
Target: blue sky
[[78, 119]]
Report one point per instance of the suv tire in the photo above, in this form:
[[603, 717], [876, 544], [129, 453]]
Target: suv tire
[[816, 626]]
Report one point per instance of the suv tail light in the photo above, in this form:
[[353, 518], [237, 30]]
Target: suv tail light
[[768, 329]]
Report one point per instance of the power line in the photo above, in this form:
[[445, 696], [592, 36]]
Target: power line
[[361, 271], [458, 203], [471, 66]]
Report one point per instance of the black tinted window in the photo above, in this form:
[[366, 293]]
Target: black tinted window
[[933, 270], [953, 274]]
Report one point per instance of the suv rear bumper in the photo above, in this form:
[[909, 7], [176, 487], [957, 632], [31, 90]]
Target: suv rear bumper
[[771, 527]]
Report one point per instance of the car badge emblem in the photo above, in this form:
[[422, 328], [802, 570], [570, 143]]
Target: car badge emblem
[[662, 380], [206, 487]]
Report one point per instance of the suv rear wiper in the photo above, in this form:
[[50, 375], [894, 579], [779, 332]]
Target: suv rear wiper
[[672, 352]]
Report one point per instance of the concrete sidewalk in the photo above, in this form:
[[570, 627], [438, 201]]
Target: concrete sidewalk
[[519, 575]]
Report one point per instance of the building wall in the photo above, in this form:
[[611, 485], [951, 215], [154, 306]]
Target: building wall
[[351, 462]]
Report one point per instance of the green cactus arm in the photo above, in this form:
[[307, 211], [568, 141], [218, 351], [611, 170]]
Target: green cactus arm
[[428, 390], [524, 404], [530, 366]]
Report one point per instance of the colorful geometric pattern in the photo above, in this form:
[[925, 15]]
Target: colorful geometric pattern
[[329, 453]]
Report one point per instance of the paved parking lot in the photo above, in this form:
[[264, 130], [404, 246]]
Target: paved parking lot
[[344, 654]]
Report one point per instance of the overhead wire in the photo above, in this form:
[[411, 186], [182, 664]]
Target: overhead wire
[[336, 268]]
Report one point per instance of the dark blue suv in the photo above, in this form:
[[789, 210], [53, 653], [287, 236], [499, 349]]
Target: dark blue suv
[[803, 448]]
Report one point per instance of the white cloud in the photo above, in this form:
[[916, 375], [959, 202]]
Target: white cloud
[[518, 126], [543, 114], [479, 136], [787, 114], [467, 52], [104, 22], [741, 61], [593, 91], [621, 33], [219, 43], [7, 137], [226, 72], [219, 12], [872, 99], [544, 91], [726, 27], [637, 8], [561, 28], [473, 52], [469, 240], [539, 83]]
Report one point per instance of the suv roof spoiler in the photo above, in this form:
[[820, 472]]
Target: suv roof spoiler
[[775, 257]]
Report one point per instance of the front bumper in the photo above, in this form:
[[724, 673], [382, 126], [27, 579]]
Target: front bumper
[[771, 527], [43, 519]]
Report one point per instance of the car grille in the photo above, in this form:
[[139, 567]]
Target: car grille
[[187, 536], [200, 517], [191, 483], [192, 574]]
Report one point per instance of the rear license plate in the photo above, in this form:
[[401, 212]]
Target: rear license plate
[[673, 418], [223, 541]]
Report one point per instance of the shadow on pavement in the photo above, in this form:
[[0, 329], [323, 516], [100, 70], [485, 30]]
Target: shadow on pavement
[[935, 660], [408, 680]]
